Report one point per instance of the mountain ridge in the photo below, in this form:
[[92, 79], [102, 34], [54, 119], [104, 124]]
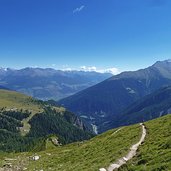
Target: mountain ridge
[[101, 102], [49, 83]]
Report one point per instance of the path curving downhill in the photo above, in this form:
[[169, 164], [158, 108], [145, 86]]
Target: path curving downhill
[[130, 155]]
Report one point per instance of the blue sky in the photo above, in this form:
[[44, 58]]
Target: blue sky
[[125, 34]]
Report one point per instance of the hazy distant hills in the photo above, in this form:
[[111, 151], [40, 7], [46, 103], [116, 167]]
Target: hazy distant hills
[[100, 103], [49, 83]]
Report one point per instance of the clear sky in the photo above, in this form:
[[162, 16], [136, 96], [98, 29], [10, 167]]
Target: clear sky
[[126, 34]]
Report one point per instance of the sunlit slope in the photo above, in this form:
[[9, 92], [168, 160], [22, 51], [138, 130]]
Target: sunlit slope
[[101, 151], [14, 100], [85, 156], [155, 154]]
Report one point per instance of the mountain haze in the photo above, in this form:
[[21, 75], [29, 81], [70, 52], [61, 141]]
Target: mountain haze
[[49, 83], [108, 99]]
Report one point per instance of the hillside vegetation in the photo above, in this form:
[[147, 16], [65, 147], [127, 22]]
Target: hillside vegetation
[[99, 152], [87, 155], [155, 154], [26, 123]]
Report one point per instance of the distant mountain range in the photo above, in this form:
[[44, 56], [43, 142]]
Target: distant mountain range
[[49, 83], [107, 100]]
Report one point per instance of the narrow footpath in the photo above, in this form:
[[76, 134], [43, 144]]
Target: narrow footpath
[[130, 155]]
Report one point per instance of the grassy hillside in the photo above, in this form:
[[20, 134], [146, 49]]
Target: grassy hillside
[[155, 154], [12, 99], [101, 151], [85, 156]]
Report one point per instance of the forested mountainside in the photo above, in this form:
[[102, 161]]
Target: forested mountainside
[[26, 123], [152, 106]]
